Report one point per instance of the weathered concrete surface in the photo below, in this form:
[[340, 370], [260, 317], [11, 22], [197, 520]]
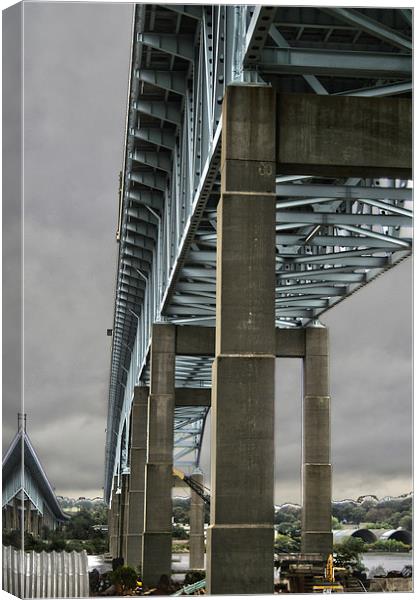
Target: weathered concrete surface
[[290, 343], [316, 534], [240, 537], [192, 340], [344, 136], [114, 520], [193, 397], [138, 449], [123, 517], [157, 538], [196, 533]]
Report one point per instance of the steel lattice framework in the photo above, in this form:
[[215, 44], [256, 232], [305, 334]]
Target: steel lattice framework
[[333, 235]]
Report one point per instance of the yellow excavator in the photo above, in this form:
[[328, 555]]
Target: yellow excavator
[[329, 585], [202, 491]]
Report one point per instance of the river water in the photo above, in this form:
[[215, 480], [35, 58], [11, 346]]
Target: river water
[[390, 561]]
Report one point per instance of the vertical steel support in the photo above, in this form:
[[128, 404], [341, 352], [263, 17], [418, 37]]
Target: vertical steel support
[[240, 537], [138, 449], [316, 535], [196, 532], [157, 540]]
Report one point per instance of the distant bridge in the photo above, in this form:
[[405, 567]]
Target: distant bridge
[[266, 178]]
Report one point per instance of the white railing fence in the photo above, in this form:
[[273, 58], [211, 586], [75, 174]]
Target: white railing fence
[[45, 574]]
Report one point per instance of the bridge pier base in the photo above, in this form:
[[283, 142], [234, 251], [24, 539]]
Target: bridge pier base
[[316, 534], [196, 532], [135, 522], [123, 516], [114, 520], [157, 539], [240, 536]]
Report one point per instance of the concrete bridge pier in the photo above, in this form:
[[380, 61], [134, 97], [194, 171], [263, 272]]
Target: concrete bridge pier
[[157, 538], [138, 449], [114, 520], [196, 522], [316, 534], [123, 515], [240, 536]]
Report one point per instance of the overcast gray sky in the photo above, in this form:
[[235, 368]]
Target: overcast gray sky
[[76, 74]]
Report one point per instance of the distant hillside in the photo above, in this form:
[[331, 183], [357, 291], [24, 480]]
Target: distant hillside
[[388, 512], [73, 504]]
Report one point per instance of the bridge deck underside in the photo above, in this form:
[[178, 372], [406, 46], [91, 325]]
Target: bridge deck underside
[[333, 236]]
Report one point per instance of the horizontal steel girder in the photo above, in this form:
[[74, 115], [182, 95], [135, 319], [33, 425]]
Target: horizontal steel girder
[[346, 192], [169, 112], [371, 26], [328, 218], [173, 44], [172, 81], [335, 63]]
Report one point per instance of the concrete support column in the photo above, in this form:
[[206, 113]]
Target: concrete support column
[[316, 534], [138, 449], [123, 515], [196, 531], [113, 542], [157, 539], [240, 536]]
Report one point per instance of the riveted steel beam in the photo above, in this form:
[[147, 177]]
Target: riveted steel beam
[[173, 81], [173, 44], [257, 33]]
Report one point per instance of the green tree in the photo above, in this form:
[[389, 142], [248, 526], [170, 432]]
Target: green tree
[[347, 554], [406, 522], [388, 546], [284, 544]]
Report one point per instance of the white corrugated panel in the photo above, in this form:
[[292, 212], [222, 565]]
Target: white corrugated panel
[[45, 574]]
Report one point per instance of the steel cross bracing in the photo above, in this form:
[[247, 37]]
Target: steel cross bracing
[[333, 235]]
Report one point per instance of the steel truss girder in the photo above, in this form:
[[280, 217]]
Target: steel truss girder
[[345, 63]]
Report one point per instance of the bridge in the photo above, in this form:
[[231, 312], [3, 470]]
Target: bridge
[[266, 178]]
